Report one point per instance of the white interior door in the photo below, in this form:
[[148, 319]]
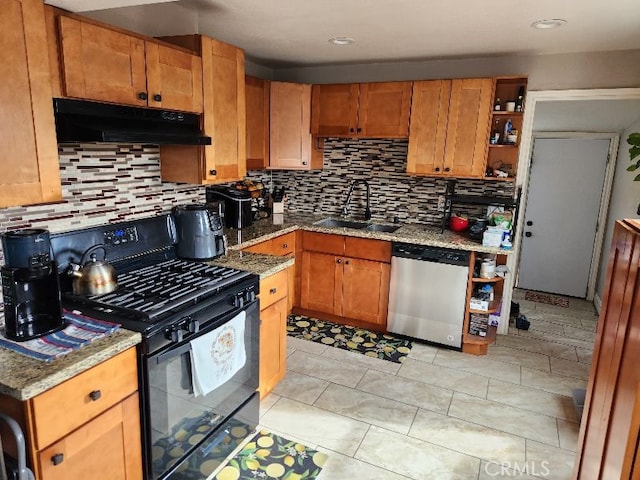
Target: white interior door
[[561, 215]]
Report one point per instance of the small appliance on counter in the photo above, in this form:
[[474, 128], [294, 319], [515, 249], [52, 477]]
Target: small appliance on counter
[[238, 205], [30, 285], [199, 231]]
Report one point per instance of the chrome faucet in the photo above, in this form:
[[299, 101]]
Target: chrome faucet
[[367, 210]]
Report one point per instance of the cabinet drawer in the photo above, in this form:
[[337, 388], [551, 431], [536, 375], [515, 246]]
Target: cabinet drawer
[[273, 288], [368, 249], [323, 243], [284, 244], [64, 408]]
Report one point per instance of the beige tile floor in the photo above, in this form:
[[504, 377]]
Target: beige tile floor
[[443, 414]]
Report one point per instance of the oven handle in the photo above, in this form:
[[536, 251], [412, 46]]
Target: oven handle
[[186, 347]]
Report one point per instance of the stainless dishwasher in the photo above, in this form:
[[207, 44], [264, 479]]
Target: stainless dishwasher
[[428, 291]]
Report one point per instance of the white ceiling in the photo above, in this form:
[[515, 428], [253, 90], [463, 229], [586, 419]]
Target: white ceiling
[[280, 33]]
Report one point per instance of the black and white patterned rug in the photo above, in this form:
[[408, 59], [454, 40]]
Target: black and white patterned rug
[[353, 339]]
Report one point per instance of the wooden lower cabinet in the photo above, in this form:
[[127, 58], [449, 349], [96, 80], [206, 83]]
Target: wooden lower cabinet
[[346, 278], [609, 441], [85, 427], [106, 448], [273, 329]]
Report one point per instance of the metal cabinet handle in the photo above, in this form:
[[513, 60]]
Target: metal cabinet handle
[[305, 163], [346, 262], [213, 172], [95, 395], [437, 169], [57, 459], [447, 169], [157, 97], [351, 130], [143, 95], [359, 130], [339, 261], [285, 245], [273, 291]]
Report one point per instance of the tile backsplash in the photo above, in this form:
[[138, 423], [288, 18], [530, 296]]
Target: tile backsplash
[[103, 183], [382, 163]]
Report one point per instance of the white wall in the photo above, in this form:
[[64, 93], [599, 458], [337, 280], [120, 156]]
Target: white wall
[[625, 200], [546, 72]]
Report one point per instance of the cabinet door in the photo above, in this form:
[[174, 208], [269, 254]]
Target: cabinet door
[[174, 78], [257, 107], [28, 147], [334, 109], [468, 127], [321, 281], [273, 345], [365, 290], [224, 110], [290, 145], [106, 448], [384, 109], [428, 127], [102, 64]]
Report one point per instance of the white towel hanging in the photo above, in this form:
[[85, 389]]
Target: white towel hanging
[[218, 355]]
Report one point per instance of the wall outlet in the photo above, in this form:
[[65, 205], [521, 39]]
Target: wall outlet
[[441, 203]]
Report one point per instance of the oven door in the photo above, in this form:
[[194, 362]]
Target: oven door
[[183, 430]]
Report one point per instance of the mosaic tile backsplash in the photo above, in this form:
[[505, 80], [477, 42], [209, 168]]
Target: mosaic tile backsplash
[[382, 163]]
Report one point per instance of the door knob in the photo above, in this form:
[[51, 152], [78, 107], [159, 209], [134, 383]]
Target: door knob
[[527, 234], [529, 223]]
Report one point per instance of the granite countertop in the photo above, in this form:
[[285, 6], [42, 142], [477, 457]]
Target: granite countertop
[[266, 229], [23, 377]]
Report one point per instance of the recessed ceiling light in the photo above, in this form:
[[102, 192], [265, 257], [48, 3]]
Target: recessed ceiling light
[[550, 23], [341, 40]]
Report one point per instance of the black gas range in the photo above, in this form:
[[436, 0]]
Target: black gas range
[[173, 303]]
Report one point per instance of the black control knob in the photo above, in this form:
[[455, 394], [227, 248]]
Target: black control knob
[[529, 223], [174, 334], [193, 325], [528, 234]]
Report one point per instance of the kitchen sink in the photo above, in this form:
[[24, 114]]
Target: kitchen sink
[[376, 227], [370, 227], [336, 223]]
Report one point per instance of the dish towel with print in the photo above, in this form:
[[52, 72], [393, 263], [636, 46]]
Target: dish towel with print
[[218, 355], [79, 331]]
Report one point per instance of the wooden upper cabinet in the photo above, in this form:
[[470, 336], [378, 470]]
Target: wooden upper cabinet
[[104, 64], [361, 110], [28, 148], [291, 145], [257, 108], [384, 109], [428, 134], [470, 108], [224, 119], [449, 128], [335, 109], [174, 78]]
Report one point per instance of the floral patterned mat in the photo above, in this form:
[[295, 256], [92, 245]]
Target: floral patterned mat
[[271, 456], [353, 339], [546, 298]]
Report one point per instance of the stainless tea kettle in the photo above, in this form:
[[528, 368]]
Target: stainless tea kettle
[[93, 276]]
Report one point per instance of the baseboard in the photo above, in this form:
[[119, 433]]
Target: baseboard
[[597, 302]]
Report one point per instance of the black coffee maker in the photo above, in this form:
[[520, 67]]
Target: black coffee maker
[[30, 285]]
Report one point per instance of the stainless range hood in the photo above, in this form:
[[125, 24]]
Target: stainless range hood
[[83, 121]]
